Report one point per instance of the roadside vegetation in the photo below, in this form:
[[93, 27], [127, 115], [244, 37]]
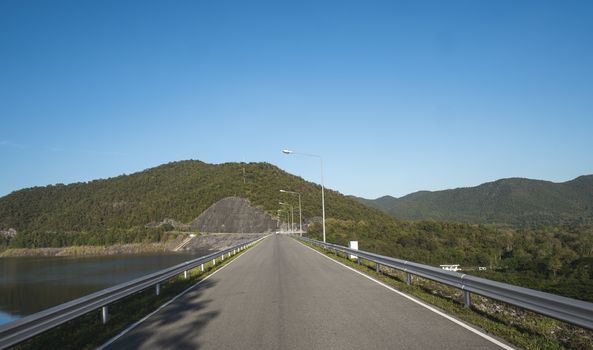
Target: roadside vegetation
[[553, 259], [519, 327]]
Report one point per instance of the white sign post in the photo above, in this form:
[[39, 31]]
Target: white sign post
[[353, 245]]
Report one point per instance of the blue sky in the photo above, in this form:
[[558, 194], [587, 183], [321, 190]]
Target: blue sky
[[397, 96]]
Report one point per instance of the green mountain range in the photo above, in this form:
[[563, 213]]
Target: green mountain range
[[119, 209], [514, 201]]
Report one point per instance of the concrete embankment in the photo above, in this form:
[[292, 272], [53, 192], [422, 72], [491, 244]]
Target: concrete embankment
[[219, 241]]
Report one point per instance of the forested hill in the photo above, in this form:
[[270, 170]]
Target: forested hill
[[514, 201], [384, 203], [179, 190]]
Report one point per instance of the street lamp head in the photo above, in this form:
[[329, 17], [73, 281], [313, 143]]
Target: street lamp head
[[285, 151]]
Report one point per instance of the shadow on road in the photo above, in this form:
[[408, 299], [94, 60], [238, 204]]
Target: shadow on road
[[177, 326]]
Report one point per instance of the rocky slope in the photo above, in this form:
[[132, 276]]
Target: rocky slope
[[234, 215]]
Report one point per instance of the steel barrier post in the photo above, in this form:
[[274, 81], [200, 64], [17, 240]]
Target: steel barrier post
[[158, 289], [185, 274], [202, 267], [408, 278], [467, 301], [104, 314], [377, 267]]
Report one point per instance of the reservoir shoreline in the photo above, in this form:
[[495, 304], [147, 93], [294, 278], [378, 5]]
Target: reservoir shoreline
[[118, 249], [34, 279], [211, 242]]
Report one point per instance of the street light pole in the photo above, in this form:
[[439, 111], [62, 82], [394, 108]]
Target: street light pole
[[300, 210], [287, 217], [291, 215], [322, 186]]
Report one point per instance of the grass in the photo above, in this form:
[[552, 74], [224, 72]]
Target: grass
[[518, 327], [87, 250], [88, 332]]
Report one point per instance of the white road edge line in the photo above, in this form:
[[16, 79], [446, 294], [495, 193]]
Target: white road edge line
[[137, 323], [469, 328]]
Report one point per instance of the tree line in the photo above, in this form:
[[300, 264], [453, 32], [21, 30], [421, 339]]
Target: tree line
[[557, 259]]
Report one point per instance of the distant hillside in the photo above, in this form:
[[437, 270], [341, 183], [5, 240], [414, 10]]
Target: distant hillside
[[514, 201], [104, 211], [382, 203]]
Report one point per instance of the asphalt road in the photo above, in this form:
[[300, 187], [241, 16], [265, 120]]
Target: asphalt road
[[283, 295]]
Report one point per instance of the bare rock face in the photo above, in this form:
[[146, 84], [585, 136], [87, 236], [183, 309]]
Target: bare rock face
[[8, 233], [233, 215]]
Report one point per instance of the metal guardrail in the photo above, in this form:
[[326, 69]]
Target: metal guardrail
[[27, 327], [573, 311]]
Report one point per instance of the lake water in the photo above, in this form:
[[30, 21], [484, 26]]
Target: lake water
[[29, 285]]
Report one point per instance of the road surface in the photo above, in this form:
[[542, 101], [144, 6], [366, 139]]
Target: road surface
[[283, 295]]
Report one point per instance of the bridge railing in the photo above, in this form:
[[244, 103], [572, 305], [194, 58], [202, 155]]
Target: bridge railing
[[573, 311], [27, 327]]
